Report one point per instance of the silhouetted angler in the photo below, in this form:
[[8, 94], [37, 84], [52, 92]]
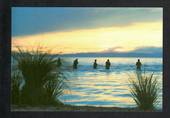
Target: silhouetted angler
[[95, 64], [59, 62], [108, 64], [138, 65], [75, 63]]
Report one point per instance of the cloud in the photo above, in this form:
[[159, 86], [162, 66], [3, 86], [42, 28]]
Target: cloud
[[114, 49], [28, 21], [110, 39]]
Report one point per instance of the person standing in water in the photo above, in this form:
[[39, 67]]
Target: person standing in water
[[95, 64], [107, 64], [138, 65], [75, 63], [59, 62]]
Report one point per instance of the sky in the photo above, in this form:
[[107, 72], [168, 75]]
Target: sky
[[90, 29]]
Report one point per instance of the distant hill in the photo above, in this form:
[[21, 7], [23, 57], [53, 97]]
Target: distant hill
[[113, 55], [139, 52]]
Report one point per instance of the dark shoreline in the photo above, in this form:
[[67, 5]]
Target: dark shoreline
[[69, 108]]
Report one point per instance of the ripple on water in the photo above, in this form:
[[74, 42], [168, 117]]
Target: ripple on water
[[108, 88]]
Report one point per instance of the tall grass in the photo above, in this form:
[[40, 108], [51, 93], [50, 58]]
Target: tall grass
[[144, 90], [15, 88], [44, 82]]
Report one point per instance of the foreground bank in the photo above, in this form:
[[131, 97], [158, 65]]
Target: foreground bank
[[71, 108]]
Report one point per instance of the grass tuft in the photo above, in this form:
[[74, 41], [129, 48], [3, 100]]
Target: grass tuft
[[44, 81], [144, 91]]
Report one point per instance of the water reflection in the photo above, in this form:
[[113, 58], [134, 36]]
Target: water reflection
[[107, 88]]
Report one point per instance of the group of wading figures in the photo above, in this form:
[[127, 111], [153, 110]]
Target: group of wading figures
[[107, 64]]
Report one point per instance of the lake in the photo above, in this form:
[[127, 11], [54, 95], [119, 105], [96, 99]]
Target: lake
[[108, 88]]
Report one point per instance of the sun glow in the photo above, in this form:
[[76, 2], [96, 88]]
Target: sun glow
[[126, 38]]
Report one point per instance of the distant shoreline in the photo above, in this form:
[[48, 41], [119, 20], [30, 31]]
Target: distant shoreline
[[105, 56], [122, 55], [126, 55]]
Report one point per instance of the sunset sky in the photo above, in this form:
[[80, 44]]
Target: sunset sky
[[74, 30]]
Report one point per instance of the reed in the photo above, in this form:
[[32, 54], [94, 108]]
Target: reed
[[15, 88], [44, 81], [144, 91]]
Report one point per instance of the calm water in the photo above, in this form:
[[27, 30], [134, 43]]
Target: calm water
[[102, 87]]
